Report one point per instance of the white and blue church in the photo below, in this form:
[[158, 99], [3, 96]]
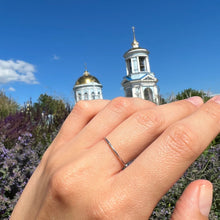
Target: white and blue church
[[138, 82]]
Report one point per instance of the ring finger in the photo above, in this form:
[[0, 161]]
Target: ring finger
[[142, 128]]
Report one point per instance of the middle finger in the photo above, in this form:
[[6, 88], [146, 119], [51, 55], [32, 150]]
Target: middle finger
[[142, 128]]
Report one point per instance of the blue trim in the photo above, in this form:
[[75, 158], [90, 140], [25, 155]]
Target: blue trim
[[130, 79]]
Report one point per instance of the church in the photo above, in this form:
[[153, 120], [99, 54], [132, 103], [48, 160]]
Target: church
[[138, 82]]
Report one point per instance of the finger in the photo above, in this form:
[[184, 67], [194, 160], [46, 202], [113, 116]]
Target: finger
[[81, 114], [110, 117], [195, 202], [139, 130], [98, 127], [167, 158]]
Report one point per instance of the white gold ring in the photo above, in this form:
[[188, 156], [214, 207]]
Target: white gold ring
[[116, 153]]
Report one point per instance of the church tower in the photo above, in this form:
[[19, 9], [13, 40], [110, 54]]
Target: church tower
[[87, 87], [139, 81]]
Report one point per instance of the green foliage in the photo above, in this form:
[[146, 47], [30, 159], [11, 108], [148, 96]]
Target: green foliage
[[192, 92], [24, 137], [49, 106], [216, 140], [7, 105], [34, 120]]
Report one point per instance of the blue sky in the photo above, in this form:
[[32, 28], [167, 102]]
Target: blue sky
[[45, 43]]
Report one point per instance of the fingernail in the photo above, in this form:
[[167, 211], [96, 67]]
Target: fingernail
[[195, 100], [216, 99], [205, 199]]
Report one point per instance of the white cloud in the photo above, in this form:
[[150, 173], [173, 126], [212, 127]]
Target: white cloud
[[11, 71], [55, 57], [11, 89]]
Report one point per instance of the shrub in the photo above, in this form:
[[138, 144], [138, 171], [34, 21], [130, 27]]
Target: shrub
[[205, 167], [16, 166]]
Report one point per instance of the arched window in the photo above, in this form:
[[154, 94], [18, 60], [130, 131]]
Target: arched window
[[148, 94], [93, 95], [128, 92], [129, 66], [86, 96], [142, 63], [79, 96], [98, 96]]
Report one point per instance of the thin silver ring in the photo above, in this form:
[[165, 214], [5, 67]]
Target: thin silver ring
[[116, 153]]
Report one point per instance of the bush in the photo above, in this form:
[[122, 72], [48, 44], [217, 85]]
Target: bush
[[16, 166], [34, 120], [205, 167], [24, 137], [22, 145]]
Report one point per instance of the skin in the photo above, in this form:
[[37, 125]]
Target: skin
[[80, 177]]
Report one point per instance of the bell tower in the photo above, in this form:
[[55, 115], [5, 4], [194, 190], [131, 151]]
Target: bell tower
[[139, 80]]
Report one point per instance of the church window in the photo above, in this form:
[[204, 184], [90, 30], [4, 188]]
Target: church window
[[128, 93], [79, 96], [142, 63], [86, 96], [148, 94], [99, 96], [93, 95], [129, 66]]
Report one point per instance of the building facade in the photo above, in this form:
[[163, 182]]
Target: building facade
[[87, 87], [139, 80]]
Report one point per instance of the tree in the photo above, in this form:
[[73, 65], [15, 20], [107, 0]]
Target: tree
[[192, 92], [7, 106], [55, 108]]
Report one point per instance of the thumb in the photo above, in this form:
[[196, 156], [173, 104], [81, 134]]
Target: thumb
[[195, 202]]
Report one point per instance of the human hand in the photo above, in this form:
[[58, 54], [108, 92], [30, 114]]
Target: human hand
[[80, 177]]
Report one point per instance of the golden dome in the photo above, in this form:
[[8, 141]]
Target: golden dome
[[86, 78]]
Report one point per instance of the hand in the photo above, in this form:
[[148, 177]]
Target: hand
[[80, 177]]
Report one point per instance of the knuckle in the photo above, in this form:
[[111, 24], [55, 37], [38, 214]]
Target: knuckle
[[57, 186], [152, 104], [150, 118], [212, 112], [184, 105], [80, 107], [66, 182], [144, 103], [181, 141], [120, 104]]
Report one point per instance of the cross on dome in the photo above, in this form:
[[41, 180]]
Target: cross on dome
[[134, 44]]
